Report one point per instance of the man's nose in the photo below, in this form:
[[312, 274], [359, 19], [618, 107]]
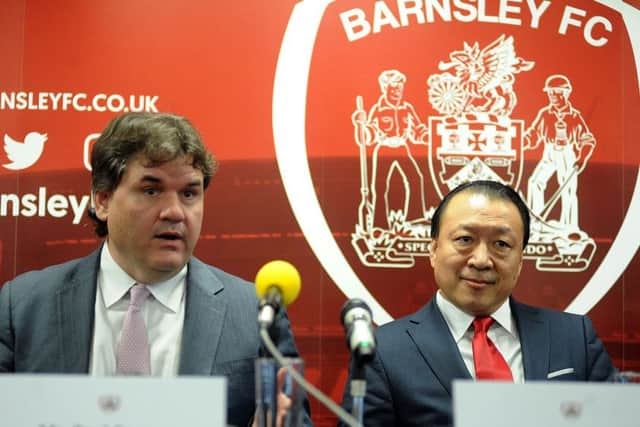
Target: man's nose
[[172, 208], [481, 257]]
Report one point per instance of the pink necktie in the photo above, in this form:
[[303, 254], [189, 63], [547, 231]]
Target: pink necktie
[[133, 349], [489, 363]]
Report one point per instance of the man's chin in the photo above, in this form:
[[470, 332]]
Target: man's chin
[[169, 265]]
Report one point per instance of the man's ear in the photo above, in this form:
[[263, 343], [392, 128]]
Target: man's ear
[[432, 251], [101, 201]]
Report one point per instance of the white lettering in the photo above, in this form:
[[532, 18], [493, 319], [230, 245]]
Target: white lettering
[[42, 101], [54, 101], [7, 101], [22, 101], [352, 19], [472, 11], [78, 208], [76, 104], [410, 7], [533, 249], [57, 205], [42, 199], [28, 205], [536, 12], [31, 102], [140, 106], [115, 103], [150, 103], [5, 199], [416, 247], [67, 98], [383, 16], [588, 30], [96, 102], [567, 19], [505, 9], [443, 9], [55, 97], [482, 13]]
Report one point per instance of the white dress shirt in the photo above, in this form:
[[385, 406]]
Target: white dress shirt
[[163, 314], [503, 333]]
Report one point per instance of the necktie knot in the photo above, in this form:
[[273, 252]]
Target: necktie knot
[[137, 296], [482, 324]]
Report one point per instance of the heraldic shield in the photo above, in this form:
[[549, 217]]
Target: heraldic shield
[[475, 146]]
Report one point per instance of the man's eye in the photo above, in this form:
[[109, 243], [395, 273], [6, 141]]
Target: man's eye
[[190, 194], [502, 244], [464, 239], [150, 191]]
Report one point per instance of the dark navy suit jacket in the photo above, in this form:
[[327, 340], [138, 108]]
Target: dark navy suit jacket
[[410, 380], [46, 326]]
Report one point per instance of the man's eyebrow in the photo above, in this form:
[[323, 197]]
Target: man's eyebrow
[[154, 179], [476, 226], [149, 178]]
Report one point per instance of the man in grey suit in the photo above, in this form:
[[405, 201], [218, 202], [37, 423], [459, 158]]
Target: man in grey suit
[[149, 174], [479, 231]]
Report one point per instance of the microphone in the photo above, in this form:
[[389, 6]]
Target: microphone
[[356, 318], [277, 285]]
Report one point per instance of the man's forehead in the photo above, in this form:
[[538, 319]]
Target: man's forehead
[[145, 167], [477, 201]]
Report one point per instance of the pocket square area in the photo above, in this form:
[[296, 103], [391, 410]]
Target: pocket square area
[[559, 373]]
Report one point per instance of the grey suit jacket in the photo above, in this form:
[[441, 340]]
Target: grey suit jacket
[[46, 326], [409, 382]]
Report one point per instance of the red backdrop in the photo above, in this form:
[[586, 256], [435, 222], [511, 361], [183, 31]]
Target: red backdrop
[[69, 68]]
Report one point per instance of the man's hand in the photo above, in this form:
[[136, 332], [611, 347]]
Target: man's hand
[[359, 118], [587, 144], [362, 134], [284, 403], [419, 135], [527, 143]]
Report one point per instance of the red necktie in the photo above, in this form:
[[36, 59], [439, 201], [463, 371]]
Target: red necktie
[[489, 363]]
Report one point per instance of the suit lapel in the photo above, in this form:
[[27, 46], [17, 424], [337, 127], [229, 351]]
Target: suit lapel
[[430, 333], [204, 317], [76, 303], [534, 340]]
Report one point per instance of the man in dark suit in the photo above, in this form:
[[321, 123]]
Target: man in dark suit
[[149, 174], [479, 231]]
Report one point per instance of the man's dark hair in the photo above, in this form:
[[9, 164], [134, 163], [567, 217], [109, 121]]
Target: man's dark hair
[[491, 189], [156, 137]]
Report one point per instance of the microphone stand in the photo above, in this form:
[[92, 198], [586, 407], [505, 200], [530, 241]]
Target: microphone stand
[[308, 387], [358, 387]]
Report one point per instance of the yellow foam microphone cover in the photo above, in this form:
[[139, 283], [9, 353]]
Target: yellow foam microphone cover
[[281, 275]]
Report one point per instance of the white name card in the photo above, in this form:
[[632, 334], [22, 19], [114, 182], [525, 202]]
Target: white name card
[[548, 404], [84, 401]]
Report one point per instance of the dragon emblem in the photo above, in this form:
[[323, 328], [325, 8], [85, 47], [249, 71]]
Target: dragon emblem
[[483, 79]]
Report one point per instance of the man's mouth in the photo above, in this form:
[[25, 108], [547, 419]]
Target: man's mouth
[[169, 236], [479, 281]]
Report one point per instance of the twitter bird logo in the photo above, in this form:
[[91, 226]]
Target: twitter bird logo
[[24, 154]]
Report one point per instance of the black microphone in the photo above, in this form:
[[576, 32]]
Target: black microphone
[[357, 321], [277, 285]]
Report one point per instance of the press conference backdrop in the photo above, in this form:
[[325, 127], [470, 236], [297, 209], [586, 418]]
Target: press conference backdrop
[[290, 96]]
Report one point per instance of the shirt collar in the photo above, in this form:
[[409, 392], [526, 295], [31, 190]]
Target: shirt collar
[[116, 282], [459, 321]]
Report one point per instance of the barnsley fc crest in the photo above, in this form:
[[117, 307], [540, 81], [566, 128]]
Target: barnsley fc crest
[[475, 137], [505, 108]]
